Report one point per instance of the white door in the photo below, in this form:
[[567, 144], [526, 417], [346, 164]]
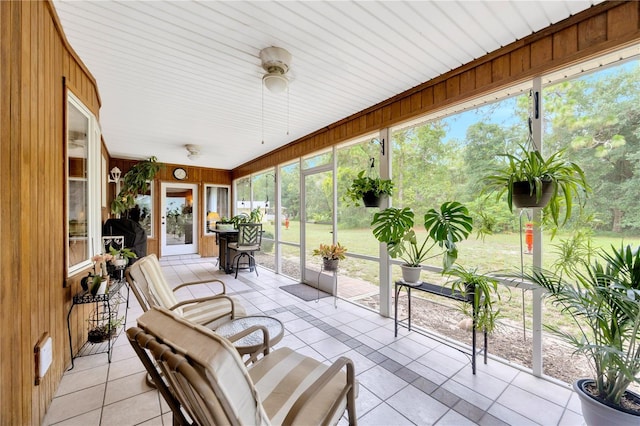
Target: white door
[[178, 224]]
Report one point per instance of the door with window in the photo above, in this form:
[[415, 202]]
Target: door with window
[[179, 219], [317, 221]]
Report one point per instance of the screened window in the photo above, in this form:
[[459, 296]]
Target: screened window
[[83, 185]]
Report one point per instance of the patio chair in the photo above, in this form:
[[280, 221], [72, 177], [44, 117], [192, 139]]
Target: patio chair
[[249, 240], [206, 378], [147, 281]]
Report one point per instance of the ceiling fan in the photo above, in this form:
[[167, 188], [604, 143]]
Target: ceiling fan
[[276, 62]]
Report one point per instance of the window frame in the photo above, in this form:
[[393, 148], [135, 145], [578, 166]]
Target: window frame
[[93, 182]]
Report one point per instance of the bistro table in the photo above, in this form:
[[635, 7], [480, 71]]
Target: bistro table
[[224, 237], [250, 343]]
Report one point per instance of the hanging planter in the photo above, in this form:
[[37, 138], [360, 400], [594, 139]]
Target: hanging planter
[[368, 190], [525, 197], [371, 199]]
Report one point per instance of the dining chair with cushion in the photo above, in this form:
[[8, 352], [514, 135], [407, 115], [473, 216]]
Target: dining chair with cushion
[[148, 283], [204, 377], [249, 241]]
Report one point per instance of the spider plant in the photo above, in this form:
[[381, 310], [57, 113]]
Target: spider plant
[[566, 179]]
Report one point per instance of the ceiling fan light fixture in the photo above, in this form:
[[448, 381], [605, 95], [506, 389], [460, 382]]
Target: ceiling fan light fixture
[[275, 61], [275, 82], [194, 151]]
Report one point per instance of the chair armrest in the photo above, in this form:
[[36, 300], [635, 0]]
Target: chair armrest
[[224, 287], [206, 299], [321, 382], [262, 349]]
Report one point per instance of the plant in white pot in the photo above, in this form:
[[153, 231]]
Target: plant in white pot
[[603, 300], [444, 227]]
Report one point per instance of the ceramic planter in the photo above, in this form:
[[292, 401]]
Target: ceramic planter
[[330, 264], [599, 413], [411, 274]]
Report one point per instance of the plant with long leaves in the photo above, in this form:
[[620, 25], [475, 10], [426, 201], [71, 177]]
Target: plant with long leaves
[[604, 303], [445, 227], [483, 289], [567, 179]]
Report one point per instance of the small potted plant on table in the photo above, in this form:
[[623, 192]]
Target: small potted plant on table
[[331, 255]]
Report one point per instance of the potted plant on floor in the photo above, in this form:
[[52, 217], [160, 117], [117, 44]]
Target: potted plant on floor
[[530, 180], [445, 227], [368, 190], [331, 255], [604, 303]]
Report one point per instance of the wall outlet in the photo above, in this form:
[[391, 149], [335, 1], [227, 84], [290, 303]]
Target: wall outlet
[[43, 356]]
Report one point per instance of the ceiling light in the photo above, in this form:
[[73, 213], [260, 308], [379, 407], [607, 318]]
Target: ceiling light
[[275, 61], [194, 151], [274, 82]]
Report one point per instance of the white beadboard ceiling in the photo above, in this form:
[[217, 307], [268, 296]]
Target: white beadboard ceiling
[[172, 73]]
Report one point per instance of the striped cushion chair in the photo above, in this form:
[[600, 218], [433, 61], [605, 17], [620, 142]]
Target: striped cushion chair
[[146, 279], [207, 379]]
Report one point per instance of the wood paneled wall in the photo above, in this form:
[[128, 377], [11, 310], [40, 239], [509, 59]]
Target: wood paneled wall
[[198, 175], [34, 59], [605, 27]]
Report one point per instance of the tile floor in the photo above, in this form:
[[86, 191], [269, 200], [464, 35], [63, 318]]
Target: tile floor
[[411, 379]]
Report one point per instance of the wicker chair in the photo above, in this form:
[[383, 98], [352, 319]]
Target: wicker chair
[[147, 281], [205, 378]]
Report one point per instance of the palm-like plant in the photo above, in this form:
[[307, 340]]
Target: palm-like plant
[[604, 303], [567, 179], [445, 227]]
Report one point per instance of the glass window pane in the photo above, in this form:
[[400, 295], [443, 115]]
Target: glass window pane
[[145, 203], [242, 196], [290, 203], [78, 213], [216, 206], [317, 160], [594, 118]]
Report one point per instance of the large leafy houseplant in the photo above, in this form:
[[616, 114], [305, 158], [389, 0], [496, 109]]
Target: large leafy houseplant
[[604, 302], [445, 227], [135, 181], [363, 187], [533, 175]]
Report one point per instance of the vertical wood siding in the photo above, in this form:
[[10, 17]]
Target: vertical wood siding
[[605, 27], [34, 58]]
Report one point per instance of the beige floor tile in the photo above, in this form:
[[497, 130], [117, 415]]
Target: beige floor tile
[[126, 387], [73, 404], [132, 411]]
